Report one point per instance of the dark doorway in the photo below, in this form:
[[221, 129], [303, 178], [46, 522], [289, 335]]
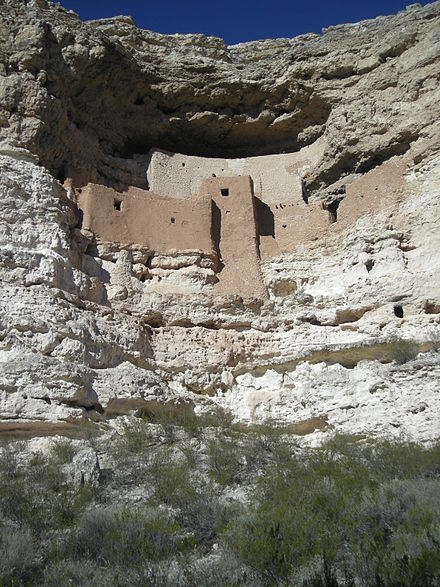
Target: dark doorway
[[265, 219], [216, 231]]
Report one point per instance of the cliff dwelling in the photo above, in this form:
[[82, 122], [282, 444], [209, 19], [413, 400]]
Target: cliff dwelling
[[213, 234], [228, 214]]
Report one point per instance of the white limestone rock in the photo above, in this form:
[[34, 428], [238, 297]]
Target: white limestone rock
[[90, 328]]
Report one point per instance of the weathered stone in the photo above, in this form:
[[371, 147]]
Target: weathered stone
[[293, 305], [84, 468]]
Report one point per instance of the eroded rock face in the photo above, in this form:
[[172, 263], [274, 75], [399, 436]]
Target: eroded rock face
[[343, 269]]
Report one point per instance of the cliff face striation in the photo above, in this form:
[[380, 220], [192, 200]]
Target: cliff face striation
[[253, 227]]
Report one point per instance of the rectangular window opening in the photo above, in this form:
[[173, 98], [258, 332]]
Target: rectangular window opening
[[224, 192]]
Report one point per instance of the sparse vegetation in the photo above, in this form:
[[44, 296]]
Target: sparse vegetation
[[63, 450], [226, 505], [404, 351]]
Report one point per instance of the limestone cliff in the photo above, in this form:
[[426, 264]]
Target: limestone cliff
[[307, 171]]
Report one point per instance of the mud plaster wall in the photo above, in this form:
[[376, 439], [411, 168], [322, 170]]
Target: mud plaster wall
[[276, 178], [140, 217], [234, 233], [291, 225], [377, 190], [283, 218], [299, 223], [228, 219]]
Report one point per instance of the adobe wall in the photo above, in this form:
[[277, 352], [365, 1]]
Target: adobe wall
[[226, 217], [140, 217], [276, 178], [234, 233], [165, 224], [299, 223], [291, 225], [221, 218], [377, 190], [283, 218]]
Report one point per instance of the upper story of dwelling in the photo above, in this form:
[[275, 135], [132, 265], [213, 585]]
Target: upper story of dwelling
[[236, 212], [176, 212]]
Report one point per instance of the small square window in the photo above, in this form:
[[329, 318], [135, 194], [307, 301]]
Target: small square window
[[224, 192], [173, 220], [117, 205]]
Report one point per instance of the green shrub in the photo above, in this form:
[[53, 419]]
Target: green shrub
[[295, 522], [222, 569], [404, 351], [136, 438], [168, 478], [190, 454], [226, 460], [197, 506], [251, 510], [335, 519], [18, 560], [400, 459], [35, 492], [396, 535], [126, 537], [62, 450], [9, 466], [81, 573], [266, 445], [171, 416], [204, 514], [85, 573]]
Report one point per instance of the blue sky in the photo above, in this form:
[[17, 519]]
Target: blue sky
[[238, 20]]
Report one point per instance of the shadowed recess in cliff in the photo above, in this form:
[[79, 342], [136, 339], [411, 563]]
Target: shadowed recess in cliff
[[108, 91]]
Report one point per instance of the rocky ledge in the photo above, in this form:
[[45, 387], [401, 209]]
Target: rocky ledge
[[346, 336]]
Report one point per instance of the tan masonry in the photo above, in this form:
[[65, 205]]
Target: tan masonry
[[239, 220], [142, 218], [235, 235]]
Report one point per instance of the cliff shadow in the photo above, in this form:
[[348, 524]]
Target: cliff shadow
[[265, 219], [216, 231]]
